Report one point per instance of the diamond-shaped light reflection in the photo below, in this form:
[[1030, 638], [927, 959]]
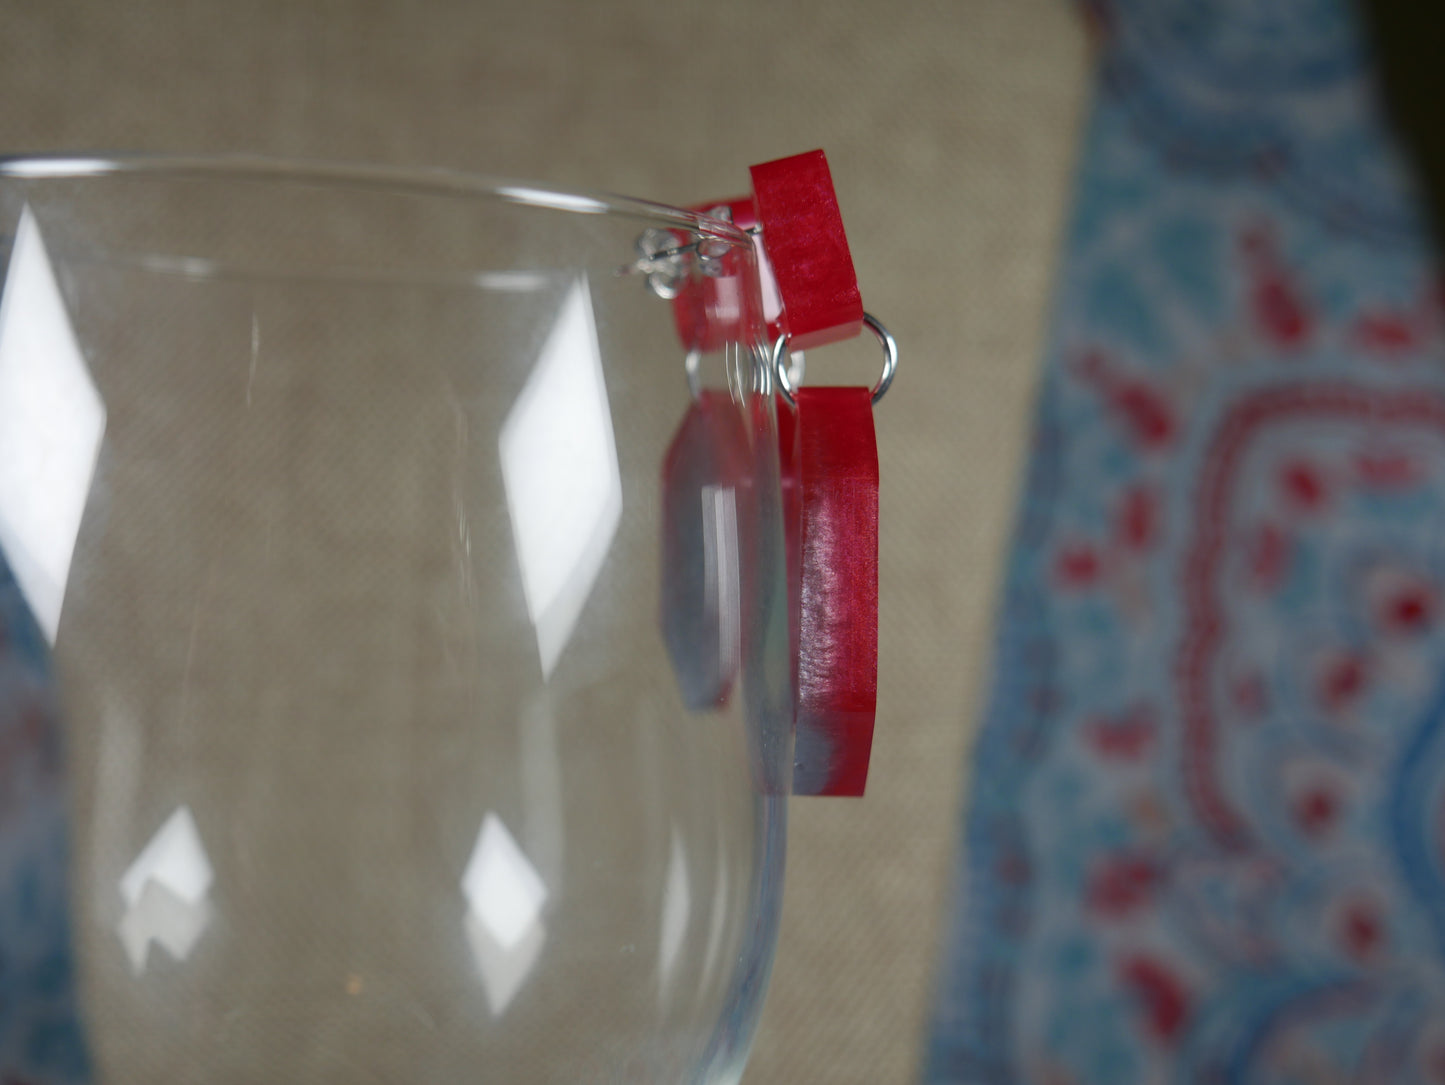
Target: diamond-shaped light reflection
[[51, 421], [162, 918], [505, 895], [559, 467], [165, 890], [503, 970]]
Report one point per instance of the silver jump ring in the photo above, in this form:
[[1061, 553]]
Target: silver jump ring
[[890, 361]]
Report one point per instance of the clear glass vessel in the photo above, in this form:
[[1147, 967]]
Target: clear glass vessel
[[337, 500]]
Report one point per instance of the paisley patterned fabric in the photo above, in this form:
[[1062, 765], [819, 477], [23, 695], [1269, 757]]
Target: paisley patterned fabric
[[40, 1034], [1206, 835]]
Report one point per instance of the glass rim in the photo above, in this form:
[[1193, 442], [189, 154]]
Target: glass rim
[[423, 181]]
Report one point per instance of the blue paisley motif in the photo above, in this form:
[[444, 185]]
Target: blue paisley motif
[[1204, 833]]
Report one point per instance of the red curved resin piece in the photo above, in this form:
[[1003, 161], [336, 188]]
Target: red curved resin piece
[[810, 290], [830, 469], [808, 250]]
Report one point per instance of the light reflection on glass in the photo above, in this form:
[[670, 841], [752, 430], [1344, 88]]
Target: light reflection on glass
[[559, 467], [773, 306], [504, 969], [722, 601], [165, 891], [561, 201], [676, 911], [513, 282], [51, 422], [504, 928], [187, 267], [772, 296], [57, 167], [719, 918]]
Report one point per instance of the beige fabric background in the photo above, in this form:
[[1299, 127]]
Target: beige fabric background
[[950, 127]]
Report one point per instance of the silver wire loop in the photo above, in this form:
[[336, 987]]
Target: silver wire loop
[[890, 361], [737, 382]]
